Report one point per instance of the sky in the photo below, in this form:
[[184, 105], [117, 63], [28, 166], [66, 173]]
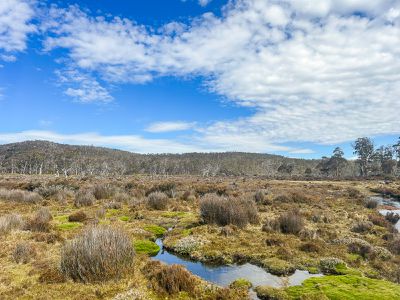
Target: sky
[[289, 77]]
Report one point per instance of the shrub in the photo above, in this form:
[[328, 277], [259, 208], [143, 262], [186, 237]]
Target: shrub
[[10, 222], [103, 191], [353, 193], [270, 293], [78, 216], [41, 220], [371, 203], [310, 247], [170, 279], [378, 220], [241, 283], [84, 198], [23, 253], [98, 254], [362, 226], [291, 222], [100, 213], [157, 200], [392, 217], [260, 196], [394, 246], [282, 198], [187, 245], [332, 265], [20, 196], [122, 198], [223, 211], [113, 205], [360, 247]]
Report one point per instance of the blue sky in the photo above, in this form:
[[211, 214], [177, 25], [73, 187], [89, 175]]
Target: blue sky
[[182, 76]]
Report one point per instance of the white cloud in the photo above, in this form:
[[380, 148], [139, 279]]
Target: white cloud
[[169, 126], [132, 143], [320, 71], [82, 87], [204, 2], [15, 24]]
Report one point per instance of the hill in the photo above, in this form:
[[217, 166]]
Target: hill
[[43, 157]]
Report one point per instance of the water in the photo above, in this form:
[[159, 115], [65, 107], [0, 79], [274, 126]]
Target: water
[[389, 202], [224, 275]]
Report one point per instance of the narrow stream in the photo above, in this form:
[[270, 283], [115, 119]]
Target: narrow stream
[[389, 202], [224, 275]]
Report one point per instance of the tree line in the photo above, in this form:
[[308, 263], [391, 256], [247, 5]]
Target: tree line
[[42, 157]]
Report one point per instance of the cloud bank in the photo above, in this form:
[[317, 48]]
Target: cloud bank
[[322, 71]]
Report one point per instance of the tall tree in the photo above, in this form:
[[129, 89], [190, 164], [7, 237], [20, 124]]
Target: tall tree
[[364, 149], [338, 161]]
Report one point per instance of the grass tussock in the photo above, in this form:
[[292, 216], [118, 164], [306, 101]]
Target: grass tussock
[[84, 198], [170, 279], [225, 211], [157, 200], [40, 222], [291, 222], [23, 253], [79, 216], [98, 254], [20, 196], [10, 222], [103, 191]]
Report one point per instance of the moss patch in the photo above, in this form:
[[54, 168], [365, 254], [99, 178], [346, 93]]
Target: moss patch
[[158, 231], [349, 287], [174, 214], [124, 218], [146, 247], [69, 225]]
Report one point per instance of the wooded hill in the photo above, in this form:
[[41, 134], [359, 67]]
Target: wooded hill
[[43, 157]]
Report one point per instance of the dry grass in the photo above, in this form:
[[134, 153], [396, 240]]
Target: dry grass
[[10, 222], [41, 221], [23, 252], [20, 196], [157, 200], [84, 198], [291, 222], [225, 211], [98, 254], [170, 279]]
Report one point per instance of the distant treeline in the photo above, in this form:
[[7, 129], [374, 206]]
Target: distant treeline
[[42, 157]]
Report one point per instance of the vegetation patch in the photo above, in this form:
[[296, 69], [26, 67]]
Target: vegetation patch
[[158, 231], [345, 287], [174, 214], [69, 226], [146, 247]]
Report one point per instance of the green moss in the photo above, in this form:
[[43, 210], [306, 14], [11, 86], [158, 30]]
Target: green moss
[[174, 214], [61, 219], [146, 247], [124, 218], [346, 287], [69, 225], [313, 270], [112, 212], [155, 229], [241, 283]]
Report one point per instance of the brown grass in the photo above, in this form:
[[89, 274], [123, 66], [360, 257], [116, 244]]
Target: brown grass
[[98, 254], [224, 211]]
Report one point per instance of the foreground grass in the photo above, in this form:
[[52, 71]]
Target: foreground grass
[[345, 287]]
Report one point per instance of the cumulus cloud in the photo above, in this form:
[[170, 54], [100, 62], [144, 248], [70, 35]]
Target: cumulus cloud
[[320, 71], [169, 126], [204, 2], [82, 87], [15, 25]]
